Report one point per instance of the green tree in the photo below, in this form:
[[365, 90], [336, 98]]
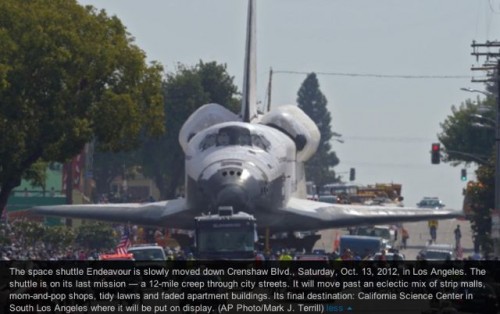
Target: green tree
[[312, 101], [58, 237], [468, 134], [184, 92], [96, 235], [109, 165], [68, 73], [478, 201]]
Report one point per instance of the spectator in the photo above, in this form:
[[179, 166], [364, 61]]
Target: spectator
[[170, 255], [259, 257], [347, 256], [382, 256], [404, 237], [433, 225], [458, 236], [285, 256]]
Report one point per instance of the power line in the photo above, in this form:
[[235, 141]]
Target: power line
[[406, 76], [384, 165], [388, 139]]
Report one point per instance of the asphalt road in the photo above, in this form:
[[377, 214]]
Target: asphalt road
[[419, 236]]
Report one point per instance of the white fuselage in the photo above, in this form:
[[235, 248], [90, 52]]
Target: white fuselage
[[254, 160]]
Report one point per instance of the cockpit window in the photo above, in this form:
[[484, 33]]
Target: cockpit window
[[260, 141], [245, 140], [208, 141], [234, 135], [223, 139]]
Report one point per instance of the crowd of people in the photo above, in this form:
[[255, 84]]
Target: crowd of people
[[17, 249]]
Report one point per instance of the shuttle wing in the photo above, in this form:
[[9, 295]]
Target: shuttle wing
[[299, 215], [172, 213], [310, 215]]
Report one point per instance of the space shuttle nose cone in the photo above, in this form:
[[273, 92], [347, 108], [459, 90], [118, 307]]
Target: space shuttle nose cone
[[233, 195], [238, 186]]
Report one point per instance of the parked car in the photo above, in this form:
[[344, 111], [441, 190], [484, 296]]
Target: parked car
[[437, 252], [389, 256], [148, 252], [430, 202]]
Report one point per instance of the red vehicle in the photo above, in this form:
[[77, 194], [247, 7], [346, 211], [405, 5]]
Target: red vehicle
[[116, 257]]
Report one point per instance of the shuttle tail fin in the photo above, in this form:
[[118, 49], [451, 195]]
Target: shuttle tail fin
[[249, 99]]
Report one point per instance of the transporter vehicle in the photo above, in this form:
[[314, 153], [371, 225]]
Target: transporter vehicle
[[226, 235]]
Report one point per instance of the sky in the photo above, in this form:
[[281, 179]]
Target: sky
[[387, 123]]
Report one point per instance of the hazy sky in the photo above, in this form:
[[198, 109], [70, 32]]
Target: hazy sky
[[388, 124]]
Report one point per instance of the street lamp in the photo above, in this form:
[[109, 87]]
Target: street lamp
[[480, 159], [480, 108], [487, 94], [483, 126], [475, 115]]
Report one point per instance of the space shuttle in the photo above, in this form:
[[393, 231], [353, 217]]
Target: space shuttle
[[253, 162]]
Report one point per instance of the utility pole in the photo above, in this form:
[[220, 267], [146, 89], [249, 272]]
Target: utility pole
[[493, 70]]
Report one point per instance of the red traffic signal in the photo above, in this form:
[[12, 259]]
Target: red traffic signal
[[436, 153]]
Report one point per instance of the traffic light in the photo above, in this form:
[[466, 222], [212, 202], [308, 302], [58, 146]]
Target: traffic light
[[352, 174], [463, 175], [435, 153]]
